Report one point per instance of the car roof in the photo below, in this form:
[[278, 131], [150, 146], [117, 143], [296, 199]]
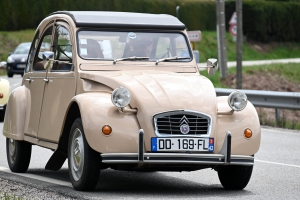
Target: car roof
[[105, 19]]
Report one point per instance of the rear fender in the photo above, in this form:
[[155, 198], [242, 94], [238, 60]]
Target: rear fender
[[97, 110], [15, 116], [4, 90]]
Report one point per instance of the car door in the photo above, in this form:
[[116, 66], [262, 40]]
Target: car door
[[34, 81], [60, 86]]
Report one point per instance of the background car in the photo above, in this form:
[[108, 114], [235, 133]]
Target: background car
[[16, 62], [4, 94]]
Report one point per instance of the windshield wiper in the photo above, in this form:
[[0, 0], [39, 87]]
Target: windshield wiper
[[131, 58], [171, 58]]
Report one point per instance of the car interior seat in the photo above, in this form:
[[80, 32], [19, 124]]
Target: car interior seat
[[91, 49]]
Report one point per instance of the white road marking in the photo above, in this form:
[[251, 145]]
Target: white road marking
[[276, 163], [37, 177]]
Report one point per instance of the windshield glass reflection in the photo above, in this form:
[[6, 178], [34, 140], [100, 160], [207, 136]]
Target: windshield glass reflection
[[117, 45]]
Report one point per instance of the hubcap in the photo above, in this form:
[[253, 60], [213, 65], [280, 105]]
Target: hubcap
[[12, 150], [77, 154]]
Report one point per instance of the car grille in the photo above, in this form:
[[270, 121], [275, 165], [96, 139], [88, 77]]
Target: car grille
[[169, 123]]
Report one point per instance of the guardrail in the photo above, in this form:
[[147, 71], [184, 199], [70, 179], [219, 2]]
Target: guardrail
[[268, 99]]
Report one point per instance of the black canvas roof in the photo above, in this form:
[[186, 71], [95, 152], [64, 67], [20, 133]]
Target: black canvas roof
[[106, 19]]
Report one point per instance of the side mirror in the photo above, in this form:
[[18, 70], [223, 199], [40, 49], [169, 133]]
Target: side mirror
[[212, 66], [47, 59]]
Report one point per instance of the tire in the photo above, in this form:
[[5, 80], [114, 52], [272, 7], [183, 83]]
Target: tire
[[2, 114], [85, 170], [10, 74], [235, 177], [18, 155]]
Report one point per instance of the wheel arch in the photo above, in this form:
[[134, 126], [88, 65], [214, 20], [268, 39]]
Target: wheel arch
[[96, 110], [72, 114]]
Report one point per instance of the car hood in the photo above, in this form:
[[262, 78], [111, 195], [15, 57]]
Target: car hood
[[19, 57], [158, 91]]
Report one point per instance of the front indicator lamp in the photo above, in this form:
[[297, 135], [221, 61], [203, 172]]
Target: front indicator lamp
[[106, 130], [247, 133], [1, 95], [121, 97], [237, 100]]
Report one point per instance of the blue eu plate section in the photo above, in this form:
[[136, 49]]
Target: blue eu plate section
[[154, 144]]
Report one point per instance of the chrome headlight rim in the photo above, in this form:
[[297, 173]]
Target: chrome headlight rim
[[237, 92], [118, 90]]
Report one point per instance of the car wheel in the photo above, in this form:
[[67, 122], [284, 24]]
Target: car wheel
[[2, 113], [83, 161], [235, 177], [18, 155], [10, 74]]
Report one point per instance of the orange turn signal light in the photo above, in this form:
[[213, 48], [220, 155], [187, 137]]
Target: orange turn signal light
[[247, 133], [1, 95], [106, 130]]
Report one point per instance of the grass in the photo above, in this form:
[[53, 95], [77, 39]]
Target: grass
[[9, 40], [2, 72], [5, 196], [208, 48]]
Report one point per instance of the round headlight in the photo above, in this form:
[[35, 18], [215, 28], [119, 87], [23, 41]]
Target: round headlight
[[10, 59], [237, 100], [120, 97]]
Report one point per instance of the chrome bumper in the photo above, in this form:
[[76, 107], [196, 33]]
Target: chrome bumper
[[223, 158]]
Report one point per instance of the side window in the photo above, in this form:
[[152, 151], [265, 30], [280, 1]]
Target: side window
[[62, 47], [44, 45], [163, 47], [32, 51]]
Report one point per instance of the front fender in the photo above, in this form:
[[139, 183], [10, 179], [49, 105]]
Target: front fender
[[236, 124], [15, 116], [97, 110]]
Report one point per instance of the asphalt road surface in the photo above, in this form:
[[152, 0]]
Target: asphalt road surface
[[276, 175]]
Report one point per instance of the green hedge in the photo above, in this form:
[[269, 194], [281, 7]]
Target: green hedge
[[25, 14], [268, 21], [263, 21]]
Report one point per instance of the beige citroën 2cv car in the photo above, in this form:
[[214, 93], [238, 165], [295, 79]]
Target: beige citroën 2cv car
[[123, 91]]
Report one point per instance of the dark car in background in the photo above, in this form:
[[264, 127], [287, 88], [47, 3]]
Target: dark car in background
[[16, 62]]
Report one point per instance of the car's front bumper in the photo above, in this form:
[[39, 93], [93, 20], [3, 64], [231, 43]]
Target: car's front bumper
[[13, 68], [223, 158]]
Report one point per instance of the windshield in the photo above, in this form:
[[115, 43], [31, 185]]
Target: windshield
[[22, 48], [116, 45]]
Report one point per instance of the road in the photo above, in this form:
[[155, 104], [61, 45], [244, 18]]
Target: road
[[276, 175]]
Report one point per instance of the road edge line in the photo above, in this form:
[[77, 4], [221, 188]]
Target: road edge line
[[276, 163], [37, 177]]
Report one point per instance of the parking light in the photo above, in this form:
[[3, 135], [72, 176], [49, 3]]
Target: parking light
[[106, 130], [247, 133]]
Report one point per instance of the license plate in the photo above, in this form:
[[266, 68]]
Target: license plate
[[21, 66], [182, 144]]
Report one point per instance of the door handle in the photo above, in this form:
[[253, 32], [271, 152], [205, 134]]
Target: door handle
[[28, 79], [46, 80]]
